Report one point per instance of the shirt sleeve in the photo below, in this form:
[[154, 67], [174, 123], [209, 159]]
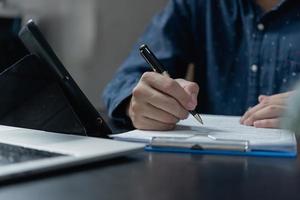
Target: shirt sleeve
[[169, 36]]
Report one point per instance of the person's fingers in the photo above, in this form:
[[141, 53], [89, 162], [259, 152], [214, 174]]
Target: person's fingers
[[137, 110], [159, 102], [269, 112], [144, 94], [144, 123], [261, 98], [266, 101], [191, 88], [250, 112], [154, 113], [170, 87], [267, 123], [284, 95]]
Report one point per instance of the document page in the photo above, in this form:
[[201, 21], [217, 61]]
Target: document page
[[220, 127]]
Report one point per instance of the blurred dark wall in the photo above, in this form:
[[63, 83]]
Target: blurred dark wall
[[92, 37]]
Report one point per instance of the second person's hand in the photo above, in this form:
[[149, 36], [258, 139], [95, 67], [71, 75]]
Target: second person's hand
[[158, 102]]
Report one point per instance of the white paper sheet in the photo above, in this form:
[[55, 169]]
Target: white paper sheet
[[220, 127]]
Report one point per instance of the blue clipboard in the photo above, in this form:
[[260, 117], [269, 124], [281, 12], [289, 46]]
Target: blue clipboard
[[215, 147], [292, 154]]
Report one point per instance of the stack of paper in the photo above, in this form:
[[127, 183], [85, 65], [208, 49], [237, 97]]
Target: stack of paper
[[221, 127]]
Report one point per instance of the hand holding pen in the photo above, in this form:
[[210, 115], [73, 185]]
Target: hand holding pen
[[158, 102], [158, 67]]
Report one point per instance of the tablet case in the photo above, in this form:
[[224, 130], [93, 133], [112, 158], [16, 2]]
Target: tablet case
[[31, 97], [11, 47]]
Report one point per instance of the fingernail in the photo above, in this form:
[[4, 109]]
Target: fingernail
[[256, 124]]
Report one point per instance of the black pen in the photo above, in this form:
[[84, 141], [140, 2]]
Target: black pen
[[158, 67]]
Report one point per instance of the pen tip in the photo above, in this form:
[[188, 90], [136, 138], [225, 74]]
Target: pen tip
[[199, 118]]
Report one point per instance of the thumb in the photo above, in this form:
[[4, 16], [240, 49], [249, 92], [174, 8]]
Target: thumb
[[190, 88]]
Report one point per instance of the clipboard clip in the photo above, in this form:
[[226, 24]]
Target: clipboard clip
[[212, 143]]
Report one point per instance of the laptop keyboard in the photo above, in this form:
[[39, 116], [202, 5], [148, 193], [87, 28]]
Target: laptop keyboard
[[10, 154]]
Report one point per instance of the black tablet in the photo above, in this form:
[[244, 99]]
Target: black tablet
[[37, 45]]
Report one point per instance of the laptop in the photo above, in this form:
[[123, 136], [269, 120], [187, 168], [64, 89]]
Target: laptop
[[25, 150]]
